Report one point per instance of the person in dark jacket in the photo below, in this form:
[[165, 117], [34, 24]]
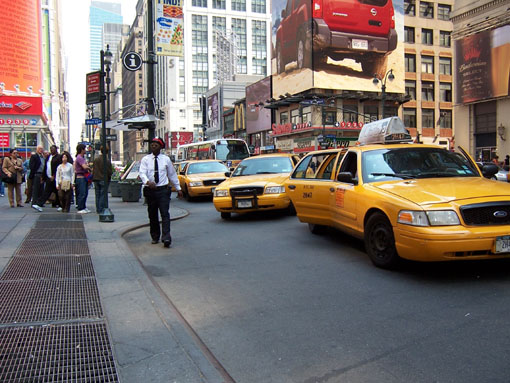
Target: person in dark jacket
[[49, 173], [36, 165], [98, 178]]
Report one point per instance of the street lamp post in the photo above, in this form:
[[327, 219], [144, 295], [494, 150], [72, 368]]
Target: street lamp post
[[106, 215], [388, 76]]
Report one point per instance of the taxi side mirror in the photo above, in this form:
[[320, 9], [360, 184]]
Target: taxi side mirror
[[489, 170], [182, 173], [347, 178], [228, 174]]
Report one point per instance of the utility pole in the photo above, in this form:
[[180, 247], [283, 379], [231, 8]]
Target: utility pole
[[150, 67]]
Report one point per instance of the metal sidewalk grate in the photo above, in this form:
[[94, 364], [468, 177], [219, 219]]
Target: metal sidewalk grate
[[57, 234], [48, 300], [53, 247], [60, 217], [64, 353], [58, 225], [49, 267]]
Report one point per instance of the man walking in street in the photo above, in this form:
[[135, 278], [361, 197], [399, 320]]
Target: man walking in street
[[49, 173], [98, 178], [156, 172], [36, 166]]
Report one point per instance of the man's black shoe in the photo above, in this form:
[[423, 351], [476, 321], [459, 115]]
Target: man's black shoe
[[167, 244], [154, 241]]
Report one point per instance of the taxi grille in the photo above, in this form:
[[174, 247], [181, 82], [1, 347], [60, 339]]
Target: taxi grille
[[213, 182], [492, 213], [246, 191]]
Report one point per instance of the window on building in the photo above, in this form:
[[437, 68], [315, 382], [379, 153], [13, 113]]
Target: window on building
[[199, 3], [410, 7], [306, 114], [259, 60], [258, 6], [427, 64], [329, 117], [350, 113], [410, 117], [445, 120], [182, 113], [408, 34], [427, 91], [199, 49], [239, 5], [445, 38], [371, 113], [197, 114], [445, 65], [140, 92], [218, 4], [445, 92], [427, 36], [284, 117], [410, 61], [294, 116], [427, 118], [426, 10], [239, 28], [443, 11], [182, 81], [140, 76], [411, 89], [219, 25]]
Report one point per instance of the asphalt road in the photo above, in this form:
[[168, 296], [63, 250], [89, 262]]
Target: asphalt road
[[275, 303]]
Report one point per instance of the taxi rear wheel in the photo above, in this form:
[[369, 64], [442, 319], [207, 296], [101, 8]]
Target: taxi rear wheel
[[316, 229], [380, 242], [186, 194], [225, 215]]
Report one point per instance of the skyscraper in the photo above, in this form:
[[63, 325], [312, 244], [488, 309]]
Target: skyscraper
[[102, 13]]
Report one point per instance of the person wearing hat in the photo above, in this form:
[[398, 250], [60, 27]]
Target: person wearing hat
[[156, 172]]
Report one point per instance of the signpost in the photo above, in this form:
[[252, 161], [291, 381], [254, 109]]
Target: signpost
[[132, 61], [92, 121], [95, 88], [111, 137]]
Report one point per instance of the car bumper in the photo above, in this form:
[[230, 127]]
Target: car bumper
[[200, 191], [261, 202], [324, 38], [449, 243]]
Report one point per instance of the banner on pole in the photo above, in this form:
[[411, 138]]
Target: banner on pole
[[169, 28]]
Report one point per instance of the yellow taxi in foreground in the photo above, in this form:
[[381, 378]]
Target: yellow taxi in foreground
[[179, 167], [199, 178], [257, 183], [415, 201]]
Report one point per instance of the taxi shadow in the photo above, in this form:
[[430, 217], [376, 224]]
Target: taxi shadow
[[270, 215]]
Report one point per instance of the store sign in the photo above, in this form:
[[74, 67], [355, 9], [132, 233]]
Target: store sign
[[24, 105], [94, 88], [285, 145], [181, 138], [304, 145], [4, 140]]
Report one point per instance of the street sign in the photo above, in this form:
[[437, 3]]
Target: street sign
[[317, 101], [92, 121], [95, 88], [111, 137], [132, 61], [84, 143]]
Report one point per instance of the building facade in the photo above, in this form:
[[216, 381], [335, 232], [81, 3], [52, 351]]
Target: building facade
[[101, 13]]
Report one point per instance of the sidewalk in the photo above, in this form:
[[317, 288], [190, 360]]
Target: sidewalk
[[150, 342]]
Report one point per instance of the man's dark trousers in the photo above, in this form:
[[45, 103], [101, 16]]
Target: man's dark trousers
[[37, 188], [159, 200], [50, 187]]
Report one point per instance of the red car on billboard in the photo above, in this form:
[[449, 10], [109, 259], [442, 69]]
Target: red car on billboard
[[363, 30]]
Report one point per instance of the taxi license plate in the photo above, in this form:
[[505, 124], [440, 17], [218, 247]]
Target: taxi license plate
[[247, 203], [359, 44], [502, 244]]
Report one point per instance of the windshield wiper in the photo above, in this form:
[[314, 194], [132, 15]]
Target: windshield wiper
[[403, 176], [437, 174], [265, 173]]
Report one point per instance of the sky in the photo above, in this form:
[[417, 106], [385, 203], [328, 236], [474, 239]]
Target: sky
[[75, 36]]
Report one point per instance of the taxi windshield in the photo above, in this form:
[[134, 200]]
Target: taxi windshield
[[207, 167], [269, 165], [414, 162]]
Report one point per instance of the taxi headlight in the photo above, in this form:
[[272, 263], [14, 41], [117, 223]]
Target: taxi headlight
[[196, 183], [275, 190], [220, 193], [429, 218]]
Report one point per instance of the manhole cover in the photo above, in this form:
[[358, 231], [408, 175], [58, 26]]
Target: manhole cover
[[49, 267], [60, 217], [57, 234], [53, 247], [64, 353], [58, 225], [48, 300]]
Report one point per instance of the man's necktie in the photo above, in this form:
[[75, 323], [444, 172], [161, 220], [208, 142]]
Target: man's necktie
[[156, 170]]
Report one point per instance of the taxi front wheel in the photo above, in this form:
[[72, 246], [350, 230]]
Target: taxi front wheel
[[225, 215], [316, 229], [380, 242]]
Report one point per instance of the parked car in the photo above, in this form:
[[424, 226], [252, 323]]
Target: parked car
[[257, 184], [199, 178], [414, 201], [363, 30]]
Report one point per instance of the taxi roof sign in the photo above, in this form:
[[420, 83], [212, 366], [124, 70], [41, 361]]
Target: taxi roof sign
[[386, 131]]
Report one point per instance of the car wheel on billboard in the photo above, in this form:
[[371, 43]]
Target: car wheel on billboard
[[304, 55], [374, 64], [280, 65]]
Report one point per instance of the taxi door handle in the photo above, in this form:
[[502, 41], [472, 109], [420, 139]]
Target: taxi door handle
[[332, 190], [292, 187]]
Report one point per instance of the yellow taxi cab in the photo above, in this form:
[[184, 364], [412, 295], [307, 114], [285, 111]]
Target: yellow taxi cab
[[179, 167], [406, 200], [199, 178], [256, 184]]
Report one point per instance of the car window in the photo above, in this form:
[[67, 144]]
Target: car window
[[268, 165], [414, 162], [350, 164], [206, 167], [316, 166]]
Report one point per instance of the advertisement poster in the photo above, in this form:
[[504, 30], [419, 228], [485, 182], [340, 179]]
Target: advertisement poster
[[213, 113], [169, 28], [483, 65], [258, 118], [353, 41], [20, 46], [180, 138]]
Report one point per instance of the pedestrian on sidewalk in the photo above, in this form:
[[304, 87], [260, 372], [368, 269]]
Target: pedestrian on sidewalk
[[82, 187], [156, 171], [28, 183], [65, 182], [49, 172], [2, 188], [36, 166], [14, 166], [98, 178]]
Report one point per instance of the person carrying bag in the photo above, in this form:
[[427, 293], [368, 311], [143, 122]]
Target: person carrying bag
[[65, 181], [13, 169]]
